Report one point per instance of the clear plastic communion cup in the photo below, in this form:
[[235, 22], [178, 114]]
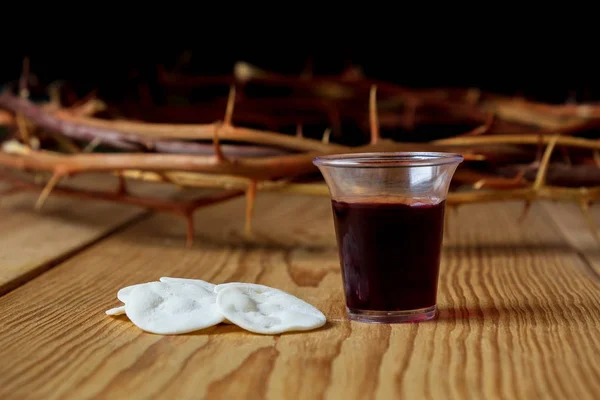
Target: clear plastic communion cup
[[388, 211]]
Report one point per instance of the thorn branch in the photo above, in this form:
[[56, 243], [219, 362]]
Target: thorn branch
[[250, 199], [92, 145], [543, 168], [375, 136], [326, 135], [217, 146], [56, 177], [230, 106]]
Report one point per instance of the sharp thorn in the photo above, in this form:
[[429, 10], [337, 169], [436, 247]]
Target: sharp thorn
[[250, 199], [46, 191], [375, 136]]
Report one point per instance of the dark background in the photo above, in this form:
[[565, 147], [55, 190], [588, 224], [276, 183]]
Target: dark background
[[535, 66]]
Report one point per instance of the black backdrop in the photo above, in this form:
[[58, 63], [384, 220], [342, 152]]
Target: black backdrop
[[544, 71]]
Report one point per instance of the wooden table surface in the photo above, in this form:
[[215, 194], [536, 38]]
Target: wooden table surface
[[519, 307]]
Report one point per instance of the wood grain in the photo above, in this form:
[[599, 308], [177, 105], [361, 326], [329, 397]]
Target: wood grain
[[574, 226], [518, 316], [33, 241]]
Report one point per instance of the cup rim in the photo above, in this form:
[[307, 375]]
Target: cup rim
[[385, 159]]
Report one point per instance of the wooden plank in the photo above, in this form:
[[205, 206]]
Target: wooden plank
[[33, 241], [518, 317], [577, 231]]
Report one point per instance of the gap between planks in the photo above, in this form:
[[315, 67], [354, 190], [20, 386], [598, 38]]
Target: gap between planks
[[60, 258], [571, 225], [34, 243]]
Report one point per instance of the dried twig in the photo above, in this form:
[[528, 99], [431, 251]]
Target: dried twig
[[220, 157], [375, 135], [270, 161], [92, 145], [519, 139], [544, 193], [563, 110], [184, 208], [250, 199], [200, 132], [326, 135], [253, 168], [541, 175], [556, 174], [500, 183], [109, 134], [320, 189], [579, 195], [56, 177], [230, 104]]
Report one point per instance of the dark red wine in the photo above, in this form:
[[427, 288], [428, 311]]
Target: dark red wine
[[389, 253]]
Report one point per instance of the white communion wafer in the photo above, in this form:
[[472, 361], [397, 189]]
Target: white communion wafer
[[204, 284], [171, 308], [123, 293], [265, 310], [222, 286], [116, 311]]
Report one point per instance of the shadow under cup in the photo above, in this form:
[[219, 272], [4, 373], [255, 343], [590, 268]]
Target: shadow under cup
[[388, 211]]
